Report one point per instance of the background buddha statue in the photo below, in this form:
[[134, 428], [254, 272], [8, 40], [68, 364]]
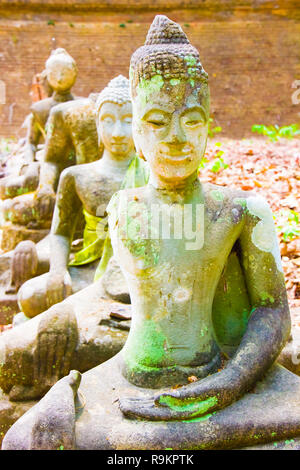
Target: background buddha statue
[[176, 339], [88, 189], [73, 140], [60, 73], [40, 351]]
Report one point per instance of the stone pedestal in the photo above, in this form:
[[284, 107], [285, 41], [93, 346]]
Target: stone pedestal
[[290, 355], [14, 234], [270, 413], [101, 335], [8, 307]]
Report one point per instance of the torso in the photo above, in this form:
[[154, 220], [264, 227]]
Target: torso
[[172, 286], [95, 185], [79, 118]]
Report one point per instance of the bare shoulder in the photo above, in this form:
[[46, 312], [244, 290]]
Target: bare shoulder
[[42, 106], [76, 108], [84, 170], [125, 196], [233, 196]]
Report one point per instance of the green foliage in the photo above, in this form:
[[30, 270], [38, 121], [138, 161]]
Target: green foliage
[[6, 146], [287, 224], [122, 25], [276, 132], [218, 163], [214, 130], [203, 163], [51, 22]]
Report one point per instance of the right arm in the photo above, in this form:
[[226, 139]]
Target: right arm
[[56, 147], [66, 209], [32, 138]]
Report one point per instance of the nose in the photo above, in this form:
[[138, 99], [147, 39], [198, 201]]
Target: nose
[[176, 134], [118, 131]]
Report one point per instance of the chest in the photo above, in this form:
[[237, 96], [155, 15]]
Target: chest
[[174, 239], [95, 192]]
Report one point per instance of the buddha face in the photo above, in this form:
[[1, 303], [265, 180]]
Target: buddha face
[[61, 74], [115, 129], [170, 126]]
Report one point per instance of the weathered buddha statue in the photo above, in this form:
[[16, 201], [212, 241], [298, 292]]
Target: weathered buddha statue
[[170, 386], [61, 73], [88, 189], [85, 329], [72, 140]]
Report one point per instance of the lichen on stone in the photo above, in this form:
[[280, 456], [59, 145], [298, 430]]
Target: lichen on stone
[[147, 87], [263, 234]]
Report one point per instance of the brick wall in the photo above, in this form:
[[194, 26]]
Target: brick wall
[[250, 48]]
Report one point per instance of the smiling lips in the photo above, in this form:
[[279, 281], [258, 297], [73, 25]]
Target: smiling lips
[[118, 144], [176, 154]]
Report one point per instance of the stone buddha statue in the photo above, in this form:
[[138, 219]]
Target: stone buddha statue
[[181, 244], [38, 352], [73, 140], [88, 189], [61, 73]]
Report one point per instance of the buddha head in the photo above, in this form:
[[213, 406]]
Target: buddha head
[[61, 70], [170, 98], [114, 119]]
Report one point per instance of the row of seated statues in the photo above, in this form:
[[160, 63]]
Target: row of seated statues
[[154, 313], [71, 138], [61, 73]]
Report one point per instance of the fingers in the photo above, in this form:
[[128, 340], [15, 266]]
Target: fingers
[[25, 271], [148, 409], [15, 270], [67, 288], [52, 340], [70, 346], [46, 205], [24, 263], [61, 346], [55, 292], [59, 286], [145, 409], [41, 356]]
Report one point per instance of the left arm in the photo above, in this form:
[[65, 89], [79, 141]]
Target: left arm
[[267, 331], [269, 325]]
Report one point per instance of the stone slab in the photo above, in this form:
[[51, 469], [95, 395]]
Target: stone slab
[[8, 308], [270, 413], [14, 234]]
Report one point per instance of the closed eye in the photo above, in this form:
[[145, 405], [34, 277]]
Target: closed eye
[[157, 123], [107, 119], [193, 123]]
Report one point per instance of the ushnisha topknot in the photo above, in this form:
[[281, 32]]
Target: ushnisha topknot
[[117, 91], [167, 52], [62, 56]]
